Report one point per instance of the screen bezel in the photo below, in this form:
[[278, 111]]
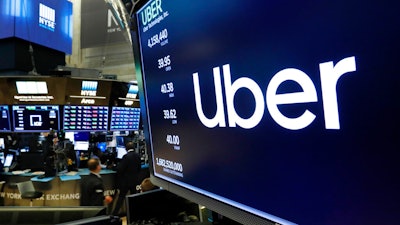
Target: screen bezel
[[228, 208]]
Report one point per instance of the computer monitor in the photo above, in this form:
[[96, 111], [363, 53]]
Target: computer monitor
[[2, 144], [8, 160], [5, 125], [81, 136], [287, 111], [120, 141], [158, 205], [31, 160], [70, 135], [124, 118], [35, 118], [85, 118], [121, 151], [81, 145]]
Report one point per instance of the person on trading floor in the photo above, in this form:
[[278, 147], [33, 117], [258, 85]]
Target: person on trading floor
[[127, 175], [92, 188]]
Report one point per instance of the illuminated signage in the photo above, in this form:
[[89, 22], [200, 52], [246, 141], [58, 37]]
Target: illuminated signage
[[132, 92], [151, 12], [32, 91], [85, 118], [131, 95], [125, 118], [112, 22], [329, 73], [31, 87], [47, 17], [152, 15], [88, 91], [89, 88]]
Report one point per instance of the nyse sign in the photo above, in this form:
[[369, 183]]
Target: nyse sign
[[47, 17]]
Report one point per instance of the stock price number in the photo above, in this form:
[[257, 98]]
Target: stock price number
[[169, 114], [165, 62], [167, 88], [160, 38], [172, 139]]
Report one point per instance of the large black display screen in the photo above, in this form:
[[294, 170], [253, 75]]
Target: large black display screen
[[287, 110], [44, 22], [85, 118], [35, 118]]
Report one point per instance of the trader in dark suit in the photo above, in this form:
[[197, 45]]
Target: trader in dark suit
[[127, 175], [92, 188]]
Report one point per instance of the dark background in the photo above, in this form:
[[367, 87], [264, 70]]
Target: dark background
[[308, 176]]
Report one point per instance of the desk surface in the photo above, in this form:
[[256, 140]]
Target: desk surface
[[64, 176]]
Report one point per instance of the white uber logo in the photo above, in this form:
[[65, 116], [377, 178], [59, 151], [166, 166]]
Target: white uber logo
[[329, 74]]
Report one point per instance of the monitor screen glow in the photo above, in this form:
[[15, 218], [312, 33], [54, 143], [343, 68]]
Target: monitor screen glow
[[8, 160], [285, 111], [31, 87], [124, 118], [85, 118], [44, 22], [70, 136], [121, 151], [4, 120], [81, 145], [35, 118]]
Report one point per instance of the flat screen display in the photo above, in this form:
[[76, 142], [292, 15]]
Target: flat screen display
[[81, 136], [81, 145], [8, 160], [35, 118], [124, 118], [156, 205], [286, 111], [4, 120], [31, 160], [85, 118], [44, 22], [121, 151]]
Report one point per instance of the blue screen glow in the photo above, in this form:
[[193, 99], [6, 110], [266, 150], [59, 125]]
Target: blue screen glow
[[44, 22]]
